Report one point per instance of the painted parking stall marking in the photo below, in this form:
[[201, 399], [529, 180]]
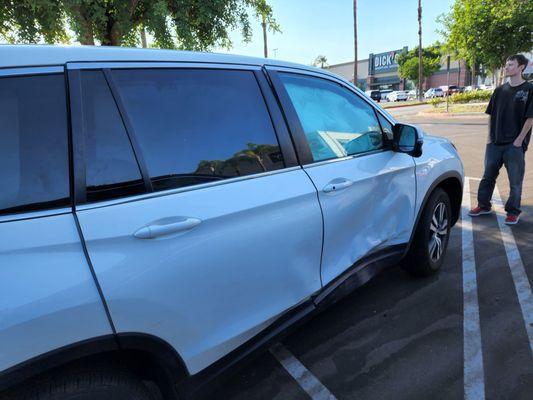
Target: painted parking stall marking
[[307, 381], [474, 383], [518, 271]]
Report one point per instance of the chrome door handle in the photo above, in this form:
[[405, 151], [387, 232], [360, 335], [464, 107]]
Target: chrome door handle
[[166, 226], [337, 184]]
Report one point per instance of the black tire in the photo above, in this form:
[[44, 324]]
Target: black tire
[[91, 384], [426, 255]]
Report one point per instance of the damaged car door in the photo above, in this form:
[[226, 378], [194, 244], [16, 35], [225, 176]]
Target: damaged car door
[[366, 190]]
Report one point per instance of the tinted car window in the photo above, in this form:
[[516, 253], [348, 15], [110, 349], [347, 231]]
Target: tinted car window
[[111, 168], [336, 122], [33, 143], [199, 126]]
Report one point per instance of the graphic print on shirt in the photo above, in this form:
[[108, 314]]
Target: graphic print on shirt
[[521, 95]]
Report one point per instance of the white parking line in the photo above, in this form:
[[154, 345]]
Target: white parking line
[[302, 375], [474, 378], [521, 282]]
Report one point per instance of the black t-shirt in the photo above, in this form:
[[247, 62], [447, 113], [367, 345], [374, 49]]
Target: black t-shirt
[[509, 107]]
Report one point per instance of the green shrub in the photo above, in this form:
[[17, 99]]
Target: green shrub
[[471, 97], [436, 101]]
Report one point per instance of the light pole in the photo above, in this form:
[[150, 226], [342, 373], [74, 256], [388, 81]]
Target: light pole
[[355, 42], [275, 52], [420, 69]]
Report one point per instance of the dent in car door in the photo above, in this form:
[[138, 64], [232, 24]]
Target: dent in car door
[[367, 192]]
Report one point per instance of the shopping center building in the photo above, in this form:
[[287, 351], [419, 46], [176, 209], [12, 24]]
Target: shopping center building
[[380, 72]]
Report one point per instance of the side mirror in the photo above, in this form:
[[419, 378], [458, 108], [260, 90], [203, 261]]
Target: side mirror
[[407, 139]]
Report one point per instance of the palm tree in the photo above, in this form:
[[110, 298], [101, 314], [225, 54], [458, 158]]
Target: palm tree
[[264, 25], [264, 13], [320, 60], [355, 42]]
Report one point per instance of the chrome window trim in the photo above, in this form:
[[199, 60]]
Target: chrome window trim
[[35, 214], [158, 65], [18, 71], [169, 192]]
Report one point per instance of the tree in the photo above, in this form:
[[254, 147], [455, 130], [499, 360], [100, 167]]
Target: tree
[[488, 31], [264, 12], [183, 24], [409, 67], [320, 60]]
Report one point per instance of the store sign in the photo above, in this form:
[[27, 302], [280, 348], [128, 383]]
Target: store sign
[[385, 62]]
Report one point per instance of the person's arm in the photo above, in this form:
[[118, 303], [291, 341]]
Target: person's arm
[[528, 124], [489, 110], [523, 133], [489, 140]]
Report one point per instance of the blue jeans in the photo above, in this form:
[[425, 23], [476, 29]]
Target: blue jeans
[[514, 160]]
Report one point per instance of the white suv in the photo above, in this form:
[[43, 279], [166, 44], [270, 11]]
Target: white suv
[[397, 95], [164, 214]]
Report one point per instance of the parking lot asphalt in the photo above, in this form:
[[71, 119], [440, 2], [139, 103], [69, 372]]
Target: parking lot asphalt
[[404, 338]]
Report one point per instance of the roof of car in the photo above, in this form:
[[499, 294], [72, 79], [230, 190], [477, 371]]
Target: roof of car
[[40, 55]]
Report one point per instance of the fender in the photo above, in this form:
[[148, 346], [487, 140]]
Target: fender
[[436, 183]]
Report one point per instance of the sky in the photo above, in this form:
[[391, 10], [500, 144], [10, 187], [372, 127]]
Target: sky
[[325, 27]]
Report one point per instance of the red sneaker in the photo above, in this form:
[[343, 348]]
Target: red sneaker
[[512, 219], [477, 211]]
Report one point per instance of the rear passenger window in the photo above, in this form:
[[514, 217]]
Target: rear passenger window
[[33, 144], [111, 169], [198, 126]]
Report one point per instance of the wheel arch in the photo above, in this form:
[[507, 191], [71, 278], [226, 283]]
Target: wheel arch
[[452, 183], [149, 357]]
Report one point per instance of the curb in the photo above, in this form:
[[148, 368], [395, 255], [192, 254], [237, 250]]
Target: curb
[[405, 105]]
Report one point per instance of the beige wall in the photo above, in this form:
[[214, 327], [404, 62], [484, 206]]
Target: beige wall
[[346, 69]]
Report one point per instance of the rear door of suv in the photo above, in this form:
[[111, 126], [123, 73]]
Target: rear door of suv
[[200, 225], [366, 190]]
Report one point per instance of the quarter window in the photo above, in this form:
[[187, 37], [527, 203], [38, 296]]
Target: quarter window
[[110, 164], [33, 143], [336, 122], [198, 126], [386, 126]]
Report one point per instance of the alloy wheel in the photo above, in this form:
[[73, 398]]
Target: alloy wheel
[[439, 231]]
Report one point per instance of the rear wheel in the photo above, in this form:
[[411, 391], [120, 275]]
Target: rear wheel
[[89, 384], [430, 241]]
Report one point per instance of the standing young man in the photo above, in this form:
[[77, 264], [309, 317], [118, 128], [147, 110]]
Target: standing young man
[[511, 118]]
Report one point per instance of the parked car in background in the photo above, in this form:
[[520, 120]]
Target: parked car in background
[[433, 92], [412, 94], [374, 95], [384, 94], [165, 214], [471, 88], [449, 90], [397, 95]]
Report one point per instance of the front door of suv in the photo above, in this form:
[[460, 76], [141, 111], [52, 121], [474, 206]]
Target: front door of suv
[[202, 231], [367, 191]]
